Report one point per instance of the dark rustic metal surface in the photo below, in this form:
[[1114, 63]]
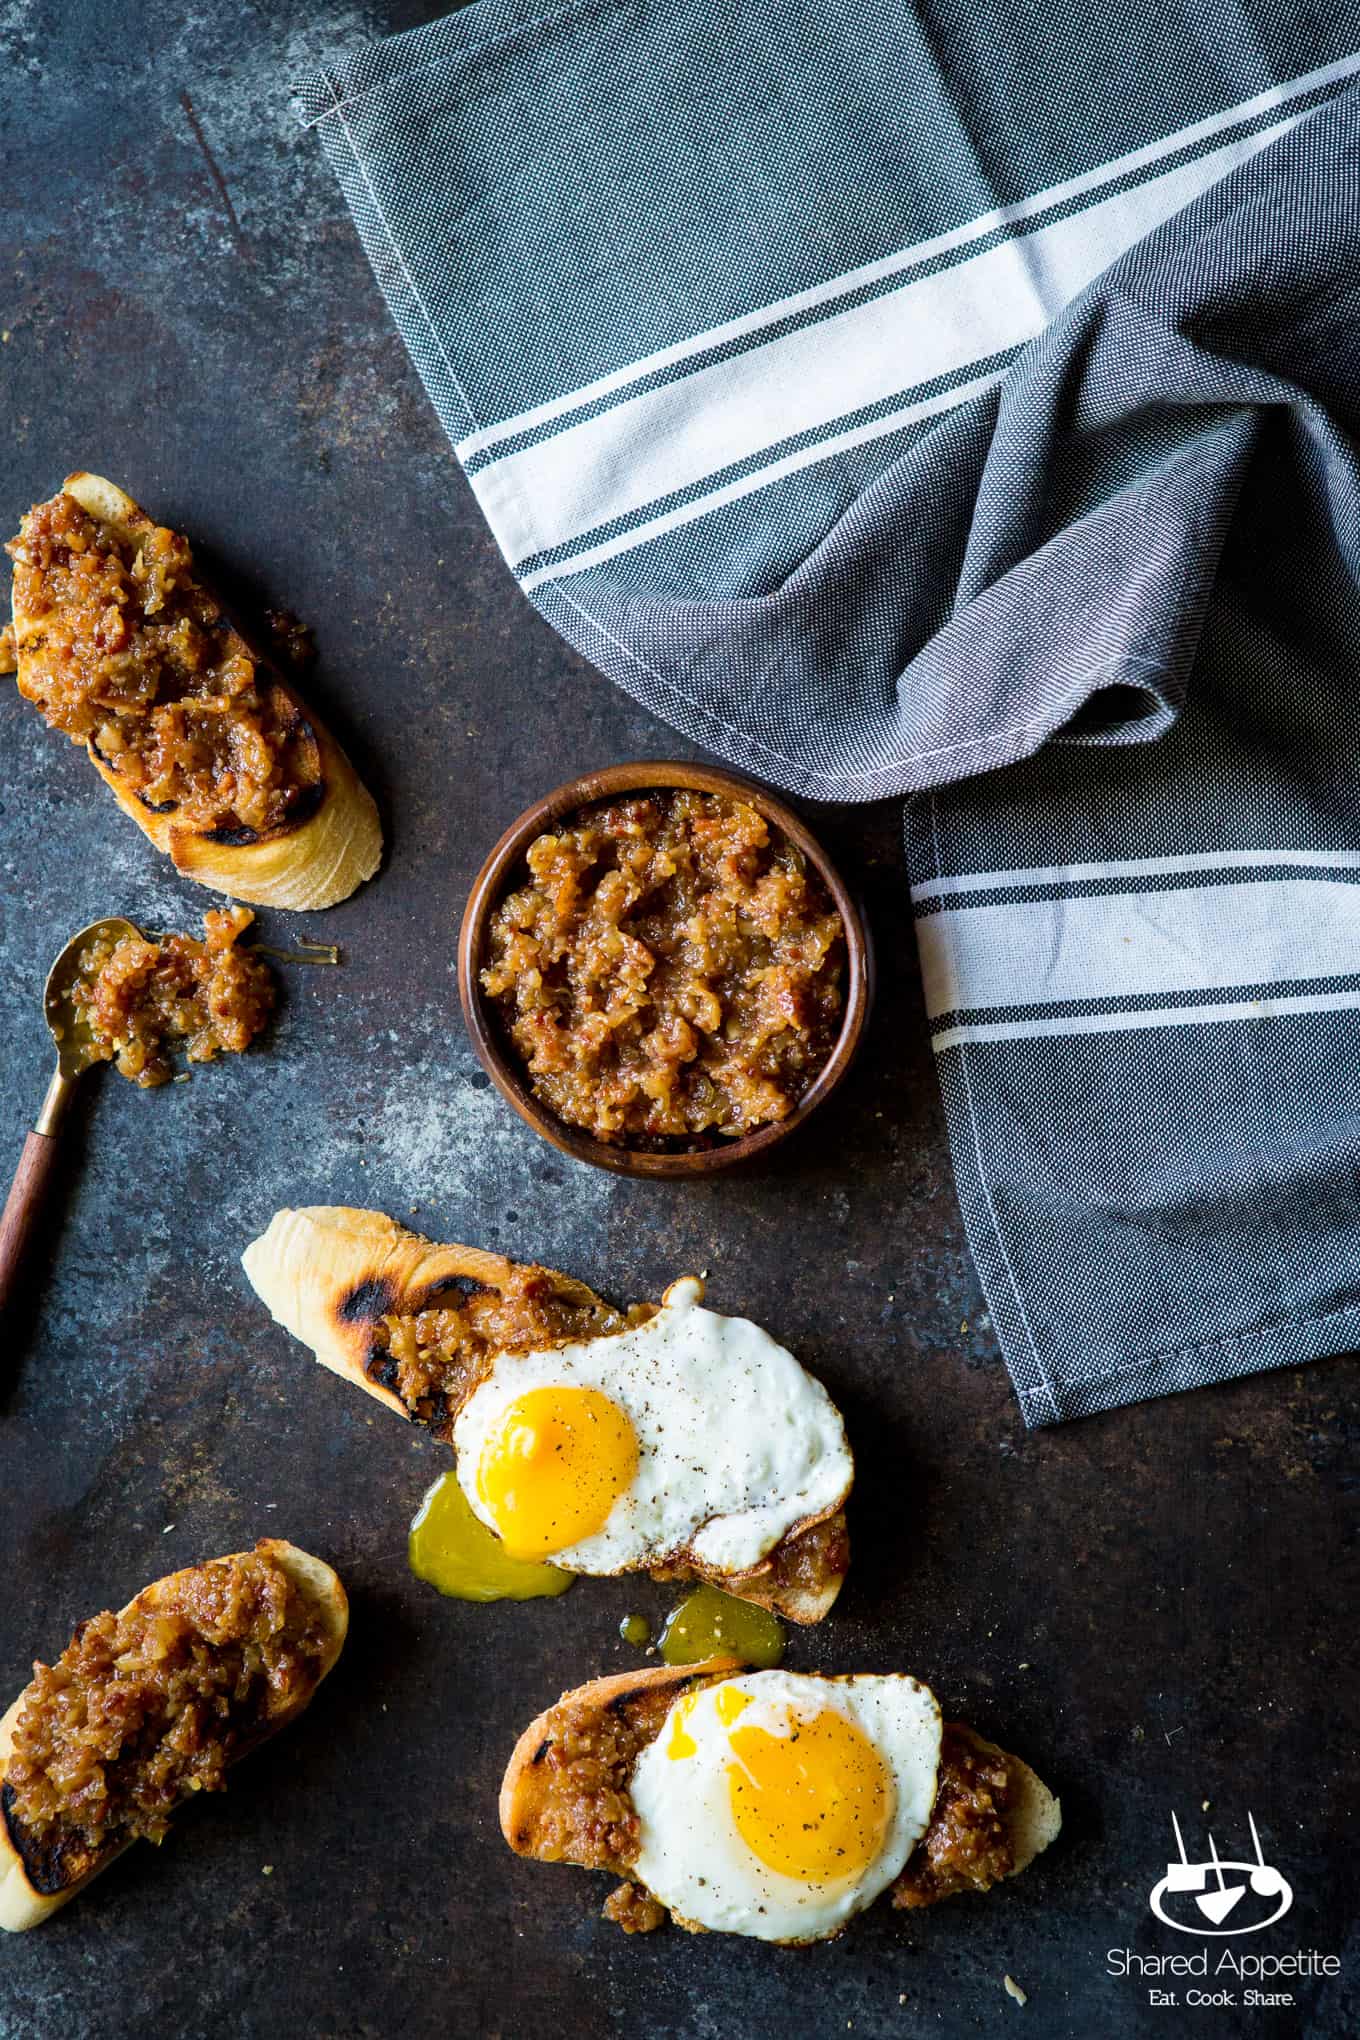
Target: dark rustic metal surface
[[1157, 1606]]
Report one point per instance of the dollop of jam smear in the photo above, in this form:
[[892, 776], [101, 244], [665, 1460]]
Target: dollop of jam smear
[[670, 971], [144, 1707], [138, 1000], [123, 648]]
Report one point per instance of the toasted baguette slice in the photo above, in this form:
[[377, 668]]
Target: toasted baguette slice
[[25, 1900], [541, 1814], [306, 866], [639, 1702], [329, 1274]]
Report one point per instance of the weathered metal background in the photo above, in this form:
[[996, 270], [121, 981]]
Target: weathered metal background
[[1157, 1607]]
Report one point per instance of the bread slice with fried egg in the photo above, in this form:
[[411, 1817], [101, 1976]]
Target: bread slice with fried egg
[[968, 1814], [374, 1300]]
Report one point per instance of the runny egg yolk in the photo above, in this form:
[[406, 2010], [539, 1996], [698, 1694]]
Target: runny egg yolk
[[552, 1470], [728, 1703], [813, 1804]]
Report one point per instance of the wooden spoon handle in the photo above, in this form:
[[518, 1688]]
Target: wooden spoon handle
[[21, 1206]]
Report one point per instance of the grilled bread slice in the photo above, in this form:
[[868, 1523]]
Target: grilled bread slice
[[332, 1276], [533, 1819], [34, 1881], [564, 1797], [305, 864], [338, 1278]]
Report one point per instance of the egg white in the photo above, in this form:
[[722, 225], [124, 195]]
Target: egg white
[[694, 1859], [736, 1444]]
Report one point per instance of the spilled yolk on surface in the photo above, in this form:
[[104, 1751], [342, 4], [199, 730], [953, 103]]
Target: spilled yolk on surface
[[708, 1623], [813, 1804], [453, 1550], [552, 1470]]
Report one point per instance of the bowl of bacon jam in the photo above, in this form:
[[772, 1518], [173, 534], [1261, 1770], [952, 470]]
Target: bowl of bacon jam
[[661, 969]]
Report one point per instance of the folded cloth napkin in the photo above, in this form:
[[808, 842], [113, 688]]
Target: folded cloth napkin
[[888, 395]]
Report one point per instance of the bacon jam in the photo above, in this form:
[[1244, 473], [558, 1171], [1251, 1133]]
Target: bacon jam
[[800, 1564], [123, 648], [967, 1846], [433, 1358], [147, 1706], [581, 1809], [135, 1000], [671, 971]]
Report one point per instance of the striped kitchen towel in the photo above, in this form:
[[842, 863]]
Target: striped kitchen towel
[[912, 399]]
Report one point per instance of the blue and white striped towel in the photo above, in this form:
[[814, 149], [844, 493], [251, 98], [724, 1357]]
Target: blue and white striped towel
[[890, 394]]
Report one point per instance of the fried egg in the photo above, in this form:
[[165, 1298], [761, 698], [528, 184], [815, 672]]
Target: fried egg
[[779, 1804], [691, 1434]]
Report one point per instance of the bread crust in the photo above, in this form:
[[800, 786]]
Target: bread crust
[[22, 1905], [795, 1601], [329, 1272], [524, 1785], [303, 868], [1034, 1817]]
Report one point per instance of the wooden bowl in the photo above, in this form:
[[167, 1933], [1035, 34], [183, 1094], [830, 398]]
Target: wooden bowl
[[497, 877]]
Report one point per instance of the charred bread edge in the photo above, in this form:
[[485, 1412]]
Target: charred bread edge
[[328, 1272], [612, 1692], [22, 1905], [295, 1268], [1035, 1816], [314, 864]]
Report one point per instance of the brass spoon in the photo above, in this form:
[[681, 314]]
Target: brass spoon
[[75, 1053]]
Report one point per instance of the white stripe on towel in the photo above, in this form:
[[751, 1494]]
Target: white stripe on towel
[[1132, 1023], [870, 273], [1130, 945], [1037, 876], [661, 441]]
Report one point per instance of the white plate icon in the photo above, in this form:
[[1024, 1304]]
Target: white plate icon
[[1217, 1900]]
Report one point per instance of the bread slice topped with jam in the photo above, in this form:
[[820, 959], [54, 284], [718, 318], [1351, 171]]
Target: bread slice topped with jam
[[665, 1438], [148, 1707], [191, 726], [771, 1804]]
